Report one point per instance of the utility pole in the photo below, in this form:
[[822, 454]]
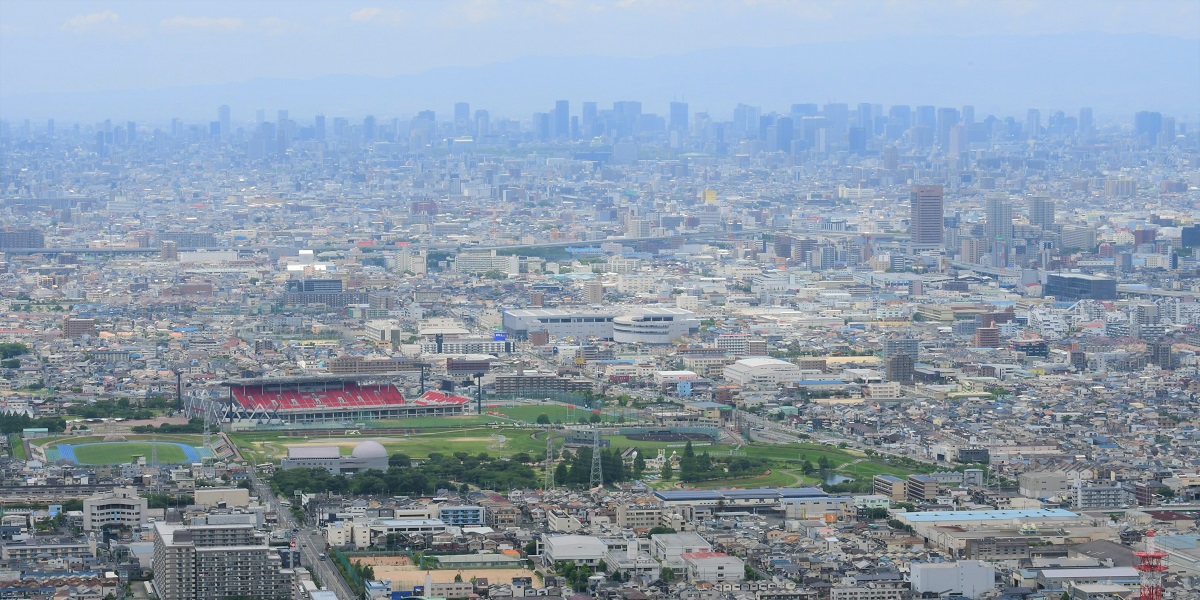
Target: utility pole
[[549, 482]]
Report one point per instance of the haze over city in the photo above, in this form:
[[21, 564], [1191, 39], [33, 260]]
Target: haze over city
[[141, 60], [600, 300]]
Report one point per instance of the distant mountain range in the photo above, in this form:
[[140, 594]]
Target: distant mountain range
[[1115, 74]]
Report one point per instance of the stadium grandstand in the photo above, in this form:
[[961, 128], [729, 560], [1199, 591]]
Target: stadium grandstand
[[329, 400]]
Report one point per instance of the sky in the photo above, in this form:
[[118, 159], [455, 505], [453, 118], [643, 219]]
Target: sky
[[83, 46]]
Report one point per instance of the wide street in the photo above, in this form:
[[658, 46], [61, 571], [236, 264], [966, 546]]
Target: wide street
[[309, 541]]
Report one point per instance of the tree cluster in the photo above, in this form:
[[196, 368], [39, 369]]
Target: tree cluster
[[440, 471], [194, 425], [120, 408], [702, 467], [576, 469], [575, 575], [10, 423], [12, 350]]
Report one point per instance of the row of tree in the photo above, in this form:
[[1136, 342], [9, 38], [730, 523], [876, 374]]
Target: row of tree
[[194, 425], [13, 423], [440, 471]]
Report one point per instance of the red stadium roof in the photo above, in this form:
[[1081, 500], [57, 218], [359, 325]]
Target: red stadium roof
[[433, 397], [350, 395]]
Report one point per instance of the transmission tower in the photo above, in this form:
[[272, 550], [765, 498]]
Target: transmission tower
[[208, 423], [154, 484], [1150, 565], [597, 479], [549, 483]]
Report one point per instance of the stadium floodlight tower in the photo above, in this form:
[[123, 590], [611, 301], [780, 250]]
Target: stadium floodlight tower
[[478, 393], [1150, 563]]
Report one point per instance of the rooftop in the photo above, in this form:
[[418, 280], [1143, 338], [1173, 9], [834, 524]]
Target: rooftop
[[979, 515]]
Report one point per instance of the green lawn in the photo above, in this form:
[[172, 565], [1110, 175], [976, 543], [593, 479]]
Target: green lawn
[[558, 413], [189, 439], [620, 441], [17, 446], [777, 478], [801, 452], [502, 441], [437, 422], [871, 468], [122, 452]]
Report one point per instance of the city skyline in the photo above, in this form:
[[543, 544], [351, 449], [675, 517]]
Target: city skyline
[[86, 60]]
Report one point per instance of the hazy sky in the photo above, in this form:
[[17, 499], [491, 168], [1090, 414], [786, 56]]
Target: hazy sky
[[84, 46]]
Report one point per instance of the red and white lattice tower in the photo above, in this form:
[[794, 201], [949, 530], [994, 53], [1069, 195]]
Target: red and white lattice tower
[[1150, 563]]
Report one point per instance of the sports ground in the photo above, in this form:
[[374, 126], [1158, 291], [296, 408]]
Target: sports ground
[[99, 451]]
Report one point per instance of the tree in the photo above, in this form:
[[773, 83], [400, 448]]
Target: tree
[[399, 459], [458, 578], [688, 451], [543, 419], [668, 575], [877, 513], [660, 529], [667, 471], [639, 465]]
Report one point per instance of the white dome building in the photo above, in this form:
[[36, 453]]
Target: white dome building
[[367, 456], [369, 449]]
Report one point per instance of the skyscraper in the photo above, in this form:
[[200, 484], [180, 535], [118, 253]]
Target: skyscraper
[[368, 130], [1146, 127], [562, 120], [1033, 124], [925, 221], [589, 119], [947, 118], [223, 119], [483, 126], [1085, 122], [998, 225], [1041, 211], [462, 118], [200, 562], [679, 117]]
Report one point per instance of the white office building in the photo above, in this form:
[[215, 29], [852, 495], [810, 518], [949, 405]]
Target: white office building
[[630, 325], [122, 506], [654, 325], [762, 372], [579, 549], [970, 578]]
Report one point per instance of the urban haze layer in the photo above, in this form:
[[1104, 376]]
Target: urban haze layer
[[821, 352]]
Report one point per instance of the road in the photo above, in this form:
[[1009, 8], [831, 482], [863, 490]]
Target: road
[[309, 541], [778, 433]]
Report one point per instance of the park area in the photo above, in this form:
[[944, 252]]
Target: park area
[[786, 465]]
